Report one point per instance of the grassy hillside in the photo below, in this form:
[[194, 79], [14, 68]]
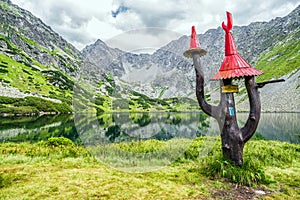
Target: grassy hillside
[[35, 79], [35, 62], [52, 83], [112, 97], [30, 36], [282, 59]]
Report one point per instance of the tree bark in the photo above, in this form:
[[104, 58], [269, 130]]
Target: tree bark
[[231, 135], [255, 109], [210, 110]]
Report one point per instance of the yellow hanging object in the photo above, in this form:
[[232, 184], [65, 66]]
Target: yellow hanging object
[[230, 89]]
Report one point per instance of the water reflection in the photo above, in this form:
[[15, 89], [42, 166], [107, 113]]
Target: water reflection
[[37, 128], [277, 126], [97, 133], [116, 127]]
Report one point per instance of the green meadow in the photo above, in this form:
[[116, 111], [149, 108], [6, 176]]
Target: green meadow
[[59, 169]]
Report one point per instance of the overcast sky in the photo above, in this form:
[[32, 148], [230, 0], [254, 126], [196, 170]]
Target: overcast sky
[[81, 22]]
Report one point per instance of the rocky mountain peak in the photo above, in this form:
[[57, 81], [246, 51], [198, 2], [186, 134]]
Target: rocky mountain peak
[[167, 70], [100, 42]]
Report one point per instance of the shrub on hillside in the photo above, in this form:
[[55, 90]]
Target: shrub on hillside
[[32, 105]]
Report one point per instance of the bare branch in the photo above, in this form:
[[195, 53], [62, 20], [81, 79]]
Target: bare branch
[[255, 109], [262, 84], [207, 108]]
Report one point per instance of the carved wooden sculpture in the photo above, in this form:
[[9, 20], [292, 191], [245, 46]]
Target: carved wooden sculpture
[[233, 67]]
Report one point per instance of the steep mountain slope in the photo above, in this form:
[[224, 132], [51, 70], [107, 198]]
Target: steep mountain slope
[[281, 61], [42, 72], [272, 47], [152, 75], [104, 59], [35, 62], [36, 39]]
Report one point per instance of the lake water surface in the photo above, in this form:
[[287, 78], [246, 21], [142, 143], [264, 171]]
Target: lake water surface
[[116, 127]]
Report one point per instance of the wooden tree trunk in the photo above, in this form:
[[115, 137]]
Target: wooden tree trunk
[[233, 137], [232, 140]]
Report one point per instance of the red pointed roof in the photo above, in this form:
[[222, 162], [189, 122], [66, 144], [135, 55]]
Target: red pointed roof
[[194, 45], [233, 66], [194, 42]]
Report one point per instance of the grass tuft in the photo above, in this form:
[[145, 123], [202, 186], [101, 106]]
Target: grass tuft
[[250, 174]]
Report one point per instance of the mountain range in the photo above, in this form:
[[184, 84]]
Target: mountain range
[[36, 62]]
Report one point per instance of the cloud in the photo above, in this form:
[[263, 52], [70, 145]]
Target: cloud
[[82, 22], [73, 20], [151, 13], [143, 40], [180, 14], [261, 10]]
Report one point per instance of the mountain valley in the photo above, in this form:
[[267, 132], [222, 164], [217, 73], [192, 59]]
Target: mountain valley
[[38, 66]]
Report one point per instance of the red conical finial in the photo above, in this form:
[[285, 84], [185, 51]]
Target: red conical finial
[[233, 66], [194, 45]]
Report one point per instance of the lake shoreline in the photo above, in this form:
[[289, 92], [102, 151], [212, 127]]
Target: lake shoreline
[[68, 113], [32, 114]]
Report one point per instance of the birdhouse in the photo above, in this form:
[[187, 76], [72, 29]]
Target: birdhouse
[[233, 66], [194, 46]]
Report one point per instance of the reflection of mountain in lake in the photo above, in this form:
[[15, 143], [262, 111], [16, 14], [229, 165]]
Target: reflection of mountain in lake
[[277, 126], [36, 128], [117, 127]]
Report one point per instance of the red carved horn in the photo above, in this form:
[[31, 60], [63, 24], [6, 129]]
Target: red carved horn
[[228, 28]]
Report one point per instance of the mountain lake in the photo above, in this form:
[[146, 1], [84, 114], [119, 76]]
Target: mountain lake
[[118, 127]]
